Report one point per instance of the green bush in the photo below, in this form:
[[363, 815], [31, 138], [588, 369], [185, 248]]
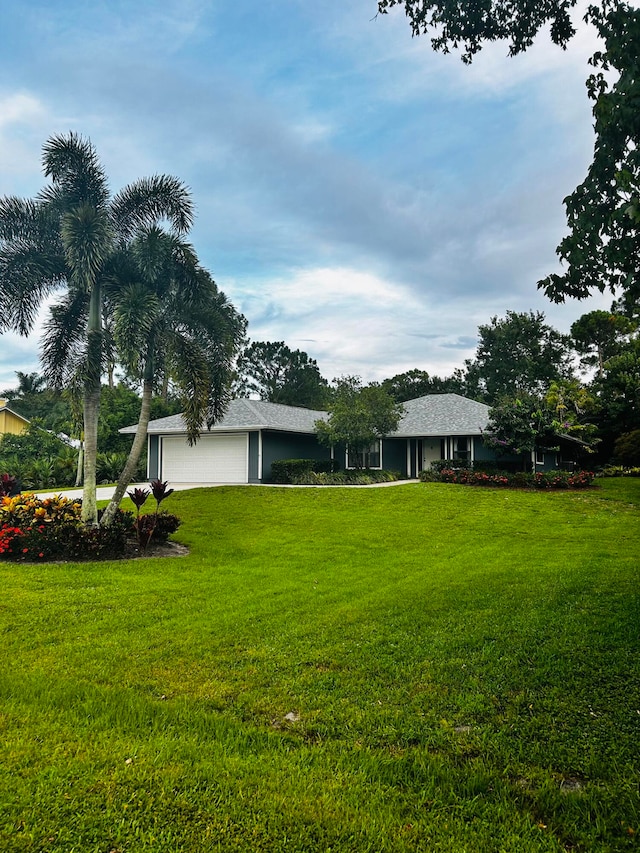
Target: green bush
[[288, 471], [626, 450], [364, 477], [504, 479], [52, 529]]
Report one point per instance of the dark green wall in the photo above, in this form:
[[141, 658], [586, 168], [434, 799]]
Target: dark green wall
[[287, 445], [394, 455], [153, 462]]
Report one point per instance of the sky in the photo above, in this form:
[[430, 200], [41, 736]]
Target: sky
[[357, 195]]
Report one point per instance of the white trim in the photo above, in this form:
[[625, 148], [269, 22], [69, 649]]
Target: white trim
[[260, 471]]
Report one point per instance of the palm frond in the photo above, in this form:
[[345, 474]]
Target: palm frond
[[87, 238], [151, 201], [27, 277], [135, 316], [63, 350], [75, 169]]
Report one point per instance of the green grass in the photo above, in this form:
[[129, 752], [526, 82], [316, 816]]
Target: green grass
[[462, 666]]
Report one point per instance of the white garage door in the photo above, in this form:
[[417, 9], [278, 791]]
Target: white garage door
[[213, 459]]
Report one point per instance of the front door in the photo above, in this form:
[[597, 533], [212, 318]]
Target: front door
[[431, 451]]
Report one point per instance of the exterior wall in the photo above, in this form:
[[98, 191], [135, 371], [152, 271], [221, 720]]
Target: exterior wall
[[288, 445], [254, 457], [11, 424], [394, 455], [153, 457]]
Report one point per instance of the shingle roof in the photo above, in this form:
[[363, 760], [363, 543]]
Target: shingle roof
[[435, 414], [443, 414], [246, 414]]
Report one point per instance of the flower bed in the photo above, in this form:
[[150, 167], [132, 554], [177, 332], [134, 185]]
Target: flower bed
[[504, 479], [37, 530]]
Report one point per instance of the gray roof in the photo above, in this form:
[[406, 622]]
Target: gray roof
[[246, 414], [435, 414], [442, 414]]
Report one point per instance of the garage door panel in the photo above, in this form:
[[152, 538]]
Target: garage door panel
[[213, 459]]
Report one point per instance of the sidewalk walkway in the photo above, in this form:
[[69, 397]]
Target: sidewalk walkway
[[104, 493]]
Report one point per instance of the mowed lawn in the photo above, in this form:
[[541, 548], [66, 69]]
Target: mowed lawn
[[417, 668]]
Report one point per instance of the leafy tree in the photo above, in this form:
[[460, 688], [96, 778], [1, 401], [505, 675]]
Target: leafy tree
[[599, 335], [418, 383], [618, 393], [64, 239], [627, 449], [170, 318], [469, 25], [518, 423], [519, 354], [601, 250], [603, 213], [358, 416], [281, 375]]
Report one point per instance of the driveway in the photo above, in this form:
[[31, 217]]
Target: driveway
[[104, 493]]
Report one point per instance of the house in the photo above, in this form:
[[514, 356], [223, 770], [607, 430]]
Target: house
[[11, 422], [241, 447]]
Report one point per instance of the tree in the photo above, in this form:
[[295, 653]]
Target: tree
[[281, 375], [64, 239], [520, 422], [599, 335], [519, 354], [358, 417], [603, 213], [618, 392], [418, 383], [468, 25], [170, 318], [602, 249]]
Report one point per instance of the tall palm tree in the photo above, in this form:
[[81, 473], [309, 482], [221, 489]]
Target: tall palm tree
[[169, 318], [64, 238]]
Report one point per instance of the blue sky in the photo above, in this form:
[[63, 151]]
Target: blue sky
[[358, 196]]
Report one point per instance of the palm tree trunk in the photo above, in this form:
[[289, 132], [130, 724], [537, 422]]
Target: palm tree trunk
[[137, 447], [92, 406], [80, 466], [91, 409]]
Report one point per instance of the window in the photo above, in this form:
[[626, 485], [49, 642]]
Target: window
[[370, 458], [539, 457], [461, 448]]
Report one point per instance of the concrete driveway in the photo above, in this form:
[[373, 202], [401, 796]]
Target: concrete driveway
[[104, 493]]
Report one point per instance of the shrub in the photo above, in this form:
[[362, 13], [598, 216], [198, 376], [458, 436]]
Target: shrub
[[52, 529], [364, 477], [521, 479], [627, 449], [157, 528], [34, 529], [288, 471]]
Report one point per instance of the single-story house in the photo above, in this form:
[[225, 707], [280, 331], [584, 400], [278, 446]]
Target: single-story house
[[11, 423], [241, 447]]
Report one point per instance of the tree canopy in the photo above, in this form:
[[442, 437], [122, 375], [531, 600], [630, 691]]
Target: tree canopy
[[601, 251], [279, 374], [518, 353], [357, 417]]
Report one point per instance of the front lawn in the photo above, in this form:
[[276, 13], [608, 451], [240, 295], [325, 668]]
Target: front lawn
[[423, 667]]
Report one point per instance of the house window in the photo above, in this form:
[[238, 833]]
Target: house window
[[539, 457], [461, 448], [369, 458]]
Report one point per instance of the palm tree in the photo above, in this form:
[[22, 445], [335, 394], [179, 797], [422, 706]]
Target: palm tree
[[64, 239], [170, 319]]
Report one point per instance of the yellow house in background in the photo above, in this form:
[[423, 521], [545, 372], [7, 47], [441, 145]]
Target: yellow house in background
[[11, 422]]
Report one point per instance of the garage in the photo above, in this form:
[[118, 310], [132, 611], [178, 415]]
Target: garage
[[221, 458]]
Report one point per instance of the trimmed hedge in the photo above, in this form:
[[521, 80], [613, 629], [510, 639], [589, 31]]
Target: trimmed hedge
[[504, 479], [364, 477], [288, 471]]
